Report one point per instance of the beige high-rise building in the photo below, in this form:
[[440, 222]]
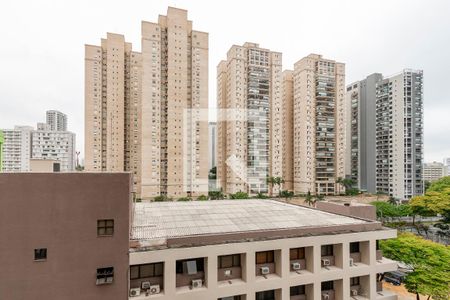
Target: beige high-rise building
[[112, 107], [249, 143], [288, 129], [147, 113], [319, 129], [174, 107]]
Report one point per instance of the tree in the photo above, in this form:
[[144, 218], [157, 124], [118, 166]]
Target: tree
[[185, 199], [239, 195], [309, 199], [213, 173], [261, 196], [162, 198], [440, 185], [392, 200], [216, 195], [274, 181], [428, 261], [385, 209], [348, 184], [318, 197], [432, 203]]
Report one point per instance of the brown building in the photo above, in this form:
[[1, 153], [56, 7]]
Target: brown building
[[64, 236], [147, 113]]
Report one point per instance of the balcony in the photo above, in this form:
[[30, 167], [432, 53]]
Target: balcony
[[190, 274], [300, 260], [301, 292], [266, 264], [359, 254], [331, 257], [359, 287], [230, 269]]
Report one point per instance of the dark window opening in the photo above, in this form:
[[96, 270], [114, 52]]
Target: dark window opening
[[105, 275], [40, 254], [354, 247], [354, 281], [264, 257], [297, 290], [105, 227], [190, 266], [327, 250], [146, 270], [327, 285], [229, 261], [266, 295], [297, 253]]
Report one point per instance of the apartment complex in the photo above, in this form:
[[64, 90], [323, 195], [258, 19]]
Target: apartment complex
[[56, 120], [447, 163], [64, 236], [145, 112], [17, 149], [399, 134], [262, 249], [212, 144], [318, 125], [112, 107], [216, 250], [434, 171], [249, 122], [288, 129], [360, 120]]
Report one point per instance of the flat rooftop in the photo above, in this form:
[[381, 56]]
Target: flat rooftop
[[156, 223]]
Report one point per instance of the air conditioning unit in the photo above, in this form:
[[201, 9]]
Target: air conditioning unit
[[145, 285], [197, 283], [265, 270], [296, 266], [351, 262], [325, 297], [135, 292], [326, 261], [227, 273], [154, 289], [354, 292]]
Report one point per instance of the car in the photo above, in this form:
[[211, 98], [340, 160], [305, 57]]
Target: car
[[395, 277]]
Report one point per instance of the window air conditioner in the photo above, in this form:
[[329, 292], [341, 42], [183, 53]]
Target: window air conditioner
[[135, 292], [351, 262], [154, 289], [145, 285], [265, 270], [296, 266], [325, 296], [197, 283], [354, 292], [227, 273], [326, 261]]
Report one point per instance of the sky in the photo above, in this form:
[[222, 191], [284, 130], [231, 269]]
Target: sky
[[42, 47]]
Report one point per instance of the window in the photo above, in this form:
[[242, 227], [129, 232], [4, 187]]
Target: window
[[354, 247], [105, 227], [297, 253], [354, 281], [147, 270], [229, 261], [231, 298], [40, 254], [377, 245], [327, 285], [184, 266], [266, 295], [297, 290], [105, 275], [264, 257], [327, 250]]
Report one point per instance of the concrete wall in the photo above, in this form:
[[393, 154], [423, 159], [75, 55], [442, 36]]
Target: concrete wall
[[363, 211], [59, 211]]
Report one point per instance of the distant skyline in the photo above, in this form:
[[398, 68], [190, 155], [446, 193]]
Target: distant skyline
[[42, 53]]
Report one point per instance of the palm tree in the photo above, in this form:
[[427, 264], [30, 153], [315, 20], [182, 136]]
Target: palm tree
[[309, 199]]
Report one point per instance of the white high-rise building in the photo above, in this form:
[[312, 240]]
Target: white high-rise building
[[17, 149], [399, 134], [212, 144], [57, 120]]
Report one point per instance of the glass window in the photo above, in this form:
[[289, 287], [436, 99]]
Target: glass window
[[327, 285], [105, 227], [146, 270], [264, 257], [354, 281], [327, 250], [297, 290], [297, 253], [40, 254], [354, 247]]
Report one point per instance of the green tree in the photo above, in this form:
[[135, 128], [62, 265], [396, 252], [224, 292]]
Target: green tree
[[239, 195], [392, 200], [348, 184], [162, 198], [286, 194], [213, 173], [275, 181], [309, 199], [440, 185], [428, 261], [318, 197], [185, 199], [432, 203], [216, 195], [261, 196]]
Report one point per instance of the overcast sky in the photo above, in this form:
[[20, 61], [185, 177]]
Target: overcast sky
[[42, 47]]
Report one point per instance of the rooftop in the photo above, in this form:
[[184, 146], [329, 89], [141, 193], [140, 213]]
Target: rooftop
[[156, 223]]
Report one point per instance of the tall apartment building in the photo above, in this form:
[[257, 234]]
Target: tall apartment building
[[212, 144], [112, 107], [360, 120], [145, 113], [399, 134], [17, 149], [174, 107], [288, 129], [271, 250], [447, 163], [57, 120], [434, 171], [249, 123], [318, 125], [2, 140]]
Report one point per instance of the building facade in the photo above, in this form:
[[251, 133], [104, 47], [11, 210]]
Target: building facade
[[249, 121], [212, 144], [56, 120], [360, 120], [288, 130], [64, 236], [17, 149], [175, 102], [145, 112], [434, 171], [112, 107], [447, 163], [399, 135], [319, 128], [309, 259]]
